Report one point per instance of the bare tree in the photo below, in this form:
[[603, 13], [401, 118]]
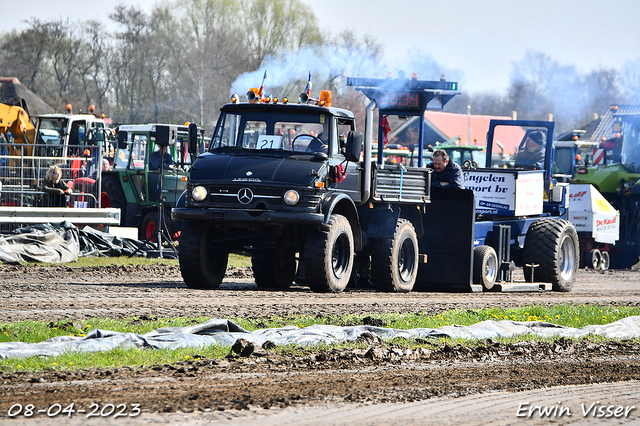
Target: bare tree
[[273, 26], [23, 54], [630, 81]]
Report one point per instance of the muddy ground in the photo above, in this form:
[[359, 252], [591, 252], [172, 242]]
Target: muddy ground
[[379, 373]]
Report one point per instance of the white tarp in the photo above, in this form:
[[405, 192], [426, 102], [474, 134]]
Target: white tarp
[[226, 333]]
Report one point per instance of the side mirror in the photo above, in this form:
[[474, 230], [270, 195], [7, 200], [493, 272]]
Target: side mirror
[[193, 138], [354, 146], [122, 140], [165, 135]]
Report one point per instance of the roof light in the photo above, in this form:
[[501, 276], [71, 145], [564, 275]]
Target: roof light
[[92, 108], [235, 98], [414, 76], [267, 100], [275, 100], [285, 100], [325, 98], [69, 108]]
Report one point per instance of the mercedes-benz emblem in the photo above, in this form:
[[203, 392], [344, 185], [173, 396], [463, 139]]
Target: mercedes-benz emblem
[[245, 196]]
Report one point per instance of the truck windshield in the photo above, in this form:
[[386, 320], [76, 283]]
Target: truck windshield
[[50, 131], [630, 154], [291, 132]]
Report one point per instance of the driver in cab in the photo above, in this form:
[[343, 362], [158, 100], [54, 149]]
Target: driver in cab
[[532, 154], [320, 143]]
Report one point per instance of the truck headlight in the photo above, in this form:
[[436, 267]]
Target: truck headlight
[[291, 197], [199, 193]]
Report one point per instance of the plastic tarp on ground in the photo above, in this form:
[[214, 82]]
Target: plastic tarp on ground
[[226, 333], [64, 242]]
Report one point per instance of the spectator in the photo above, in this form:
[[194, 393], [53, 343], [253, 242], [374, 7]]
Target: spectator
[[446, 173], [55, 188]]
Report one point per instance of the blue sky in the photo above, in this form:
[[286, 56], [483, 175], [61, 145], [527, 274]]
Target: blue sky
[[480, 39]]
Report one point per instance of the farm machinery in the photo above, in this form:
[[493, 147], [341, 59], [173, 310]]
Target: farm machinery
[[614, 170], [296, 187]]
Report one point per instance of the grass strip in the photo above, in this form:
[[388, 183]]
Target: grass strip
[[36, 331]]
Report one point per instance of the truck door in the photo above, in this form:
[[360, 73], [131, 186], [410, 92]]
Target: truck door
[[135, 165], [352, 181]]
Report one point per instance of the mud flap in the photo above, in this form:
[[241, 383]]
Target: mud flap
[[447, 241]]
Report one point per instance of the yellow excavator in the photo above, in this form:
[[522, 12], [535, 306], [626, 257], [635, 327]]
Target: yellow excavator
[[14, 118], [17, 138]]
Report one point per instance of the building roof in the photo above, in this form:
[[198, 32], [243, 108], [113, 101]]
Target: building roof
[[459, 126], [443, 127], [12, 91]]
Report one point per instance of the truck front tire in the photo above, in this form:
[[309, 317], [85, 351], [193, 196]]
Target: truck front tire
[[203, 262], [394, 261], [552, 244], [273, 270], [328, 256]]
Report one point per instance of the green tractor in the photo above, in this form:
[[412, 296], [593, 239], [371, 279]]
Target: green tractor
[[137, 182], [615, 172]]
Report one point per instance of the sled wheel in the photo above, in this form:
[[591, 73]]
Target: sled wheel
[[485, 266], [594, 258], [606, 260]]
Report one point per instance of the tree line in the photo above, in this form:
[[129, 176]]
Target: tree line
[[182, 61]]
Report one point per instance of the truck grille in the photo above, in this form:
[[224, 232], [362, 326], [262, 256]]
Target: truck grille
[[254, 198]]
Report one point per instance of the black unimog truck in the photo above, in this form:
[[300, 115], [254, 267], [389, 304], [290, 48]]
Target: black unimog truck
[[294, 186]]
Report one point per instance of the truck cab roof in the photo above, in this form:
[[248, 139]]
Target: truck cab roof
[[286, 109]]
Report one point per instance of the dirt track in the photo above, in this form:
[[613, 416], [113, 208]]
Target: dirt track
[[247, 388]]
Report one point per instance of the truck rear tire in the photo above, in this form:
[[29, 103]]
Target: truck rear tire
[[485, 266], [394, 261], [328, 256], [203, 262], [552, 244], [273, 270], [113, 196]]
